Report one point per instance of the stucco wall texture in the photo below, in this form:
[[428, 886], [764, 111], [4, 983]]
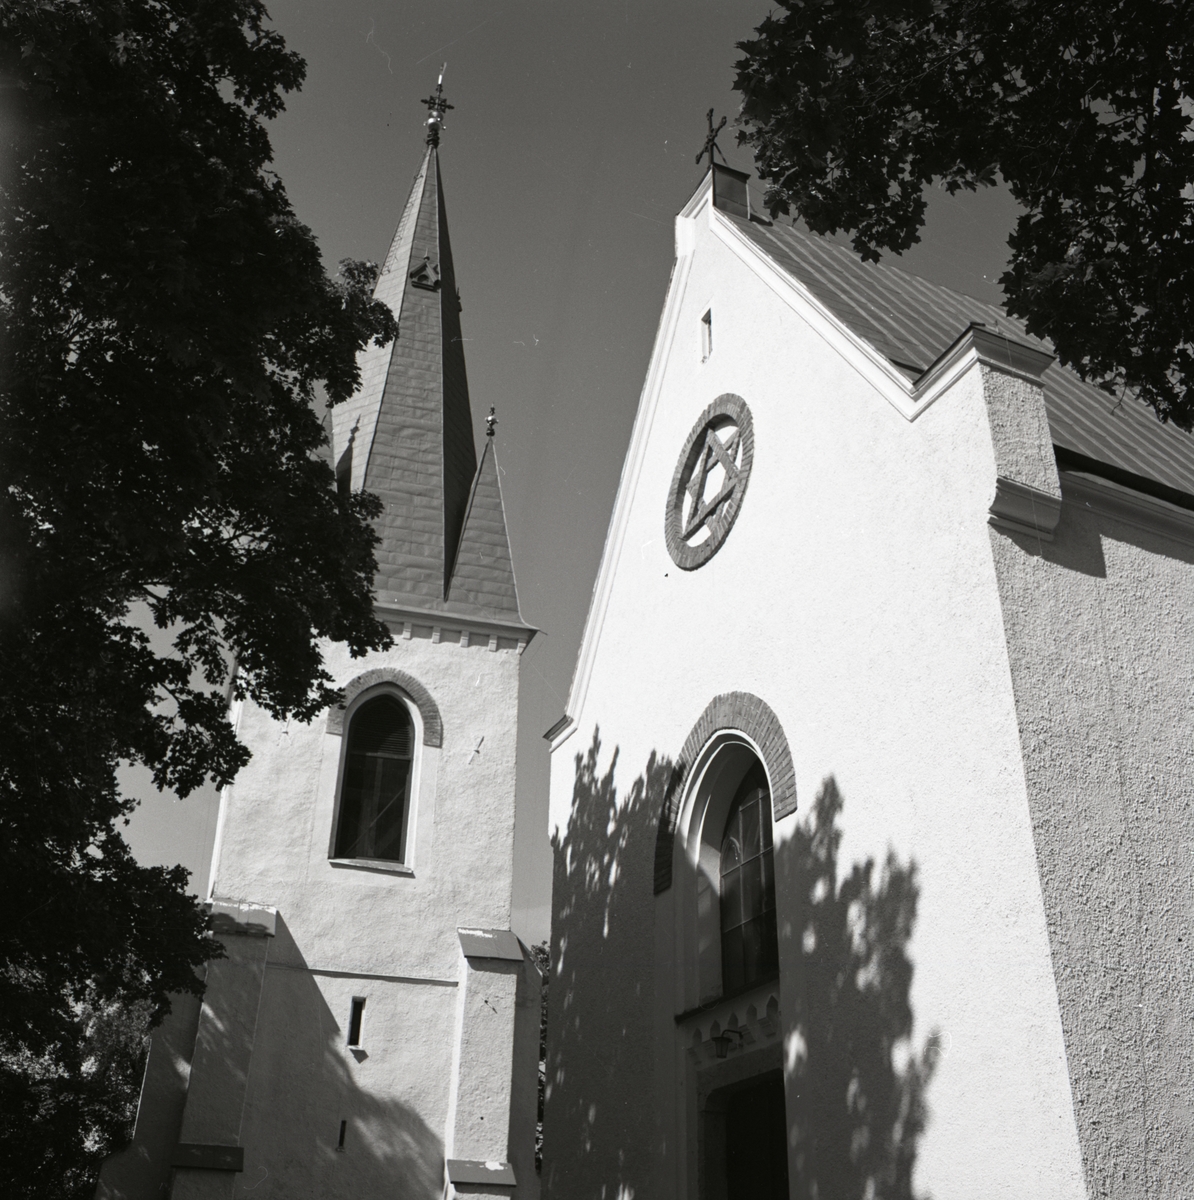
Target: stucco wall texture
[[1010, 717], [1102, 661], [444, 1040]]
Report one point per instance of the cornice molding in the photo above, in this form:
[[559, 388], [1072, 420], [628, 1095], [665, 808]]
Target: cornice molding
[[397, 616], [1111, 499], [1018, 508]]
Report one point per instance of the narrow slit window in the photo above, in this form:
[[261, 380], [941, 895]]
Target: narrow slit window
[[343, 1132], [706, 335], [355, 1017]]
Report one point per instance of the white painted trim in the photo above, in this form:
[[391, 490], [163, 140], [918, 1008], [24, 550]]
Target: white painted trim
[[559, 733], [699, 199], [874, 367], [627, 487]]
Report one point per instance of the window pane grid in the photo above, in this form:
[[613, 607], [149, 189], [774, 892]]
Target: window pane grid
[[749, 945], [376, 788]]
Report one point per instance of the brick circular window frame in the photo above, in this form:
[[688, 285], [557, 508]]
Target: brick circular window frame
[[433, 726], [738, 712], [726, 408]]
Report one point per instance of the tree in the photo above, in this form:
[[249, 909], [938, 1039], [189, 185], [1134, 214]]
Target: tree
[[167, 322], [1082, 106], [83, 1098]]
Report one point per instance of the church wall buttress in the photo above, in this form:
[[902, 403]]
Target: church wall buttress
[[1099, 647]]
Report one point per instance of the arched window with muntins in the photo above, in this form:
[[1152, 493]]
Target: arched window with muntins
[[749, 943], [375, 792]]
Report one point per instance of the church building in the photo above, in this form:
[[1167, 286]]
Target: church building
[[872, 802], [373, 1030]]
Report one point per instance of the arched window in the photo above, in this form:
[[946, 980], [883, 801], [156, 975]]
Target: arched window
[[749, 945], [375, 791]]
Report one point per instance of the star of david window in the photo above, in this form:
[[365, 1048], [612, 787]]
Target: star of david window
[[709, 482]]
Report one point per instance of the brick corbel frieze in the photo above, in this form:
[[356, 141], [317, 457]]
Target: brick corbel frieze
[[744, 713], [433, 726]]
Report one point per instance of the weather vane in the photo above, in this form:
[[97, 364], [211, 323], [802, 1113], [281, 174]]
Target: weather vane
[[711, 140], [436, 107]]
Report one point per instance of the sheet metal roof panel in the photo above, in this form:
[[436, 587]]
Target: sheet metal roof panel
[[912, 321]]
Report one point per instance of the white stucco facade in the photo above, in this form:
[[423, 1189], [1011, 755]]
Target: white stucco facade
[[978, 694], [445, 1068]]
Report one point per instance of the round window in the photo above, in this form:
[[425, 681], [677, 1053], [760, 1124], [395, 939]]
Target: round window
[[709, 482]]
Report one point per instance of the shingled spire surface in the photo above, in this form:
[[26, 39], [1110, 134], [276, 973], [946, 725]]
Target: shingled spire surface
[[407, 434], [483, 578]]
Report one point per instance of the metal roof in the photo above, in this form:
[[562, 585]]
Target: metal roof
[[912, 322]]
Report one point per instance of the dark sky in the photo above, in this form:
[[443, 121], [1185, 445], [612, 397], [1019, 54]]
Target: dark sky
[[568, 153]]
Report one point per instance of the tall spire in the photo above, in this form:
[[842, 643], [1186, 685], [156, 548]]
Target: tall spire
[[407, 434]]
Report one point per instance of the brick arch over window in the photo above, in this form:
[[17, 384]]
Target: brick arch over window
[[751, 716], [433, 726]]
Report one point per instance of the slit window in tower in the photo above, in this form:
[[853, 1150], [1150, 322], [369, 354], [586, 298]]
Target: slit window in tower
[[375, 788], [343, 1131], [706, 334], [355, 1016]]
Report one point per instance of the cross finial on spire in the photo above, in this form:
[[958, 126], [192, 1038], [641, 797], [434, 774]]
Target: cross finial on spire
[[491, 422], [436, 107], [711, 140]]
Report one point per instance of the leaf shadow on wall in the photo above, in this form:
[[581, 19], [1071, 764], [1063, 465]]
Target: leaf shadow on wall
[[301, 1084], [855, 1090], [301, 1061]]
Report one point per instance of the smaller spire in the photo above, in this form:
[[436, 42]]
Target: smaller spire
[[436, 107], [491, 422]]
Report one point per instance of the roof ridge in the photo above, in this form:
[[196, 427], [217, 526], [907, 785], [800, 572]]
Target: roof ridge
[[904, 273], [911, 321]]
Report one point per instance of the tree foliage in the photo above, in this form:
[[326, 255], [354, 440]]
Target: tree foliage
[[82, 1096], [1083, 107], [167, 322]]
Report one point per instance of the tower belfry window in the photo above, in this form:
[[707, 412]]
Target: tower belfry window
[[749, 942], [706, 334], [375, 791]]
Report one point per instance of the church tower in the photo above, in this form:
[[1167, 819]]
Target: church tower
[[374, 1028]]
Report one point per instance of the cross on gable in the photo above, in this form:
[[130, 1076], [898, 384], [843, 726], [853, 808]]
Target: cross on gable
[[711, 140]]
